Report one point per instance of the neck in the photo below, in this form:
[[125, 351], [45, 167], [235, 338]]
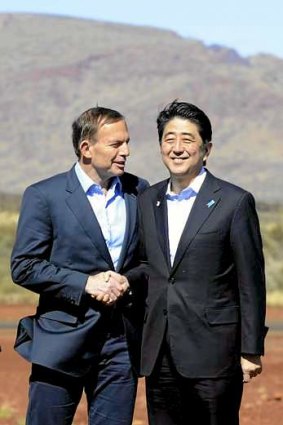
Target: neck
[[98, 178], [180, 183]]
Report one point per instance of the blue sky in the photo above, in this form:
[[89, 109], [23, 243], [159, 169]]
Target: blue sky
[[249, 26]]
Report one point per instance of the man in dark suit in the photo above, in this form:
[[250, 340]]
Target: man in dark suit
[[76, 241], [205, 309]]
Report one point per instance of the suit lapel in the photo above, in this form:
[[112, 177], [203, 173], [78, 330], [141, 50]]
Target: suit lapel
[[131, 217], [81, 208], [206, 200], [161, 219]]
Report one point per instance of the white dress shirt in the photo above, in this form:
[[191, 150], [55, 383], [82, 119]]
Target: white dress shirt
[[179, 207]]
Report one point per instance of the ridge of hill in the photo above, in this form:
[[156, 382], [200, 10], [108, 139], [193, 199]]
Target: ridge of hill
[[53, 68]]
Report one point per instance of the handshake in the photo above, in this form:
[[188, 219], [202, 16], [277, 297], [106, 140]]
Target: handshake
[[107, 287]]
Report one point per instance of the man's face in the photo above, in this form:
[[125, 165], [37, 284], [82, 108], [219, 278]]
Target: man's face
[[108, 153], [182, 148]]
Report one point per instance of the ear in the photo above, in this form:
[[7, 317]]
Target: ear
[[207, 150], [85, 148]]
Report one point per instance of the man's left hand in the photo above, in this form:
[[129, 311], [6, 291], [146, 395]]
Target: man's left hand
[[251, 366]]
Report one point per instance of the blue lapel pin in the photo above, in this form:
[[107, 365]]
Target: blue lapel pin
[[210, 203]]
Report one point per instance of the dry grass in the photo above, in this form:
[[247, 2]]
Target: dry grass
[[271, 220]]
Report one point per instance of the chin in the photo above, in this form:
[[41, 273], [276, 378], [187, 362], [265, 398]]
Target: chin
[[177, 170], [118, 172]]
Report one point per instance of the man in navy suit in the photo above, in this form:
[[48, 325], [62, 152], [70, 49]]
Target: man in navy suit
[[76, 241], [205, 309]]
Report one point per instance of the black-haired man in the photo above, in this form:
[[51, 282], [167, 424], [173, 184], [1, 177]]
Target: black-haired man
[[205, 309]]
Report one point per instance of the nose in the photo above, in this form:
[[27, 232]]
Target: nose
[[178, 146], [124, 149]]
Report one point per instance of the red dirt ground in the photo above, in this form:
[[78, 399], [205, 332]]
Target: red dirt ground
[[262, 402]]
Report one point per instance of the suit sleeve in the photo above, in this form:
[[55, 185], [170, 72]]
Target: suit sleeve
[[248, 255], [30, 261]]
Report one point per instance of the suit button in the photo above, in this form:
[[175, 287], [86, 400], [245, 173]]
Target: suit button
[[172, 280], [165, 312]]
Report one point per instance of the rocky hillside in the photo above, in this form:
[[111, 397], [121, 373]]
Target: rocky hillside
[[53, 68]]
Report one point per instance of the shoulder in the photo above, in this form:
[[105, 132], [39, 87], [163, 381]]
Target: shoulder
[[49, 186], [226, 185], [133, 184], [155, 190], [230, 190], [51, 181]]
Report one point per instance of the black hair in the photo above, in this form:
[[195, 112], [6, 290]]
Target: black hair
[[186, 111]]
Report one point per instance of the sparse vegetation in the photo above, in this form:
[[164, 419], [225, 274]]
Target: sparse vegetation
[[9, 413], [6, 412], [10, 293], [271, 219]]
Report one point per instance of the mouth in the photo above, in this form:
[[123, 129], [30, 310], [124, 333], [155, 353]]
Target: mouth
[[178, 160], [120, 164]]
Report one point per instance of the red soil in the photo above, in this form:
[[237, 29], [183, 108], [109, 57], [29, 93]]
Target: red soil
[[262, 402]]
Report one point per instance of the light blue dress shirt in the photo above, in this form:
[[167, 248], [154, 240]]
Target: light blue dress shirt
[[110, 211]]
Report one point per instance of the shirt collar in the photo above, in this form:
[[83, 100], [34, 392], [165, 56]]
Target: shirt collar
[[194, 186], [87, 183]]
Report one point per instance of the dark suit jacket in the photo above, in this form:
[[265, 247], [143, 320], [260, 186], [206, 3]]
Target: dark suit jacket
[[213, 298], [59, 244]]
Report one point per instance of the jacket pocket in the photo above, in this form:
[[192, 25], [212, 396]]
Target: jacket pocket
[[59, 316], [222, 316]]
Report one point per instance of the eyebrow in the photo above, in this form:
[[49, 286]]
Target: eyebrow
[[184, 133]]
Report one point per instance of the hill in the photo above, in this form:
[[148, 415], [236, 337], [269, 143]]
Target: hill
[[52, 68]]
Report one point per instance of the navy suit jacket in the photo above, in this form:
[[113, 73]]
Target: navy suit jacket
[[213, 297], [59, 243]]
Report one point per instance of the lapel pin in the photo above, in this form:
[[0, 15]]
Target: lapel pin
[[157, 203], [210, 203]]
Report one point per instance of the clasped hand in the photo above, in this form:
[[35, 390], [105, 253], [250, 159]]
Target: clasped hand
[[107, 287]]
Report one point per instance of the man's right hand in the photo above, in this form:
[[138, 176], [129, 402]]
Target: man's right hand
[[107, 287]]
